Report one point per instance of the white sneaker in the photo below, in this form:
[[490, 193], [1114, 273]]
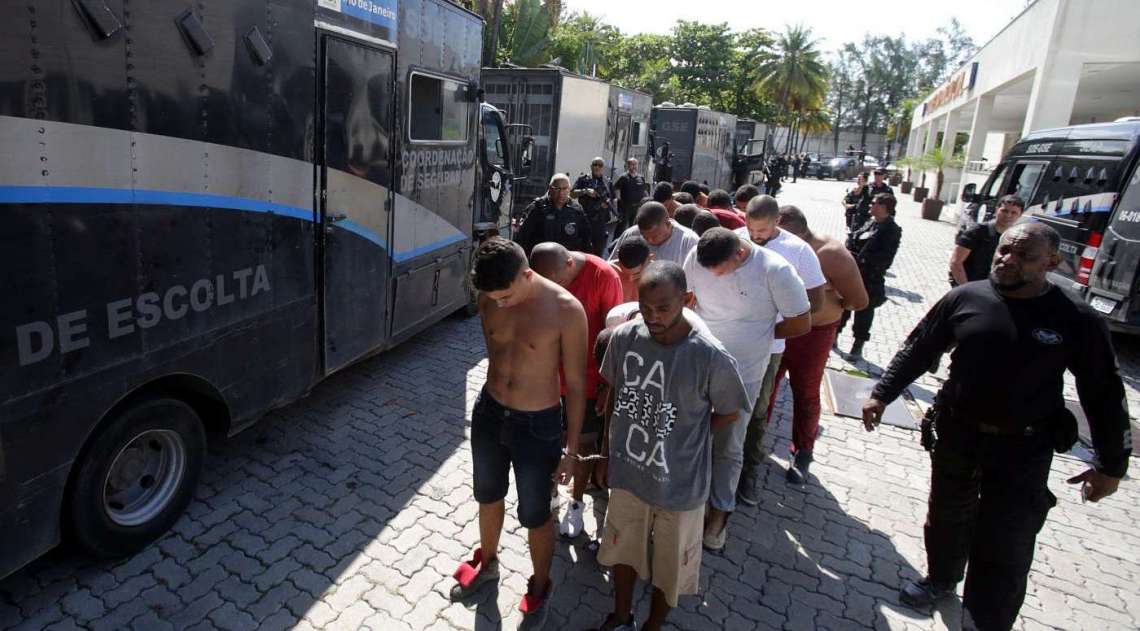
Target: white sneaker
[[571, 524]]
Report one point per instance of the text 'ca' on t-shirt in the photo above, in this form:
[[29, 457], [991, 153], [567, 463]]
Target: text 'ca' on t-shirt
[[664, 395]]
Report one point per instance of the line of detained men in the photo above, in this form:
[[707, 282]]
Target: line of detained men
[[676, 395]]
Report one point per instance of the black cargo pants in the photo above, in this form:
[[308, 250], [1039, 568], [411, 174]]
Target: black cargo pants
[[988, 500]]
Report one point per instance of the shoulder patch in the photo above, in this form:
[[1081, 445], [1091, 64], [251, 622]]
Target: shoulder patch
[[1047, 336]]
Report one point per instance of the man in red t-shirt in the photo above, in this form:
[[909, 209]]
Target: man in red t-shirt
[[720, 204], [597, 285]]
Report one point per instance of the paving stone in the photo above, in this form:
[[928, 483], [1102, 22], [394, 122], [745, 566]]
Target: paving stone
[[83, 606], [231, 618], [128, 591], [171, 573], [197, 610]]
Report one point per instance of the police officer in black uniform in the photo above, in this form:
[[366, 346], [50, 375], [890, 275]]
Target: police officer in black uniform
[[595, 193], [999, 417], [874, 246], [555, 217], [879, 186], [630, 190], [857, 204]]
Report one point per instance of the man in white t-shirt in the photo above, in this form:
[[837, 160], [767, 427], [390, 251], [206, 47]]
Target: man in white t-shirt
[[761, 218], [741, 291], [667, 239]]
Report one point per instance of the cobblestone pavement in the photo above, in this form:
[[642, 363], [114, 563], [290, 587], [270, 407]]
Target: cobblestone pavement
[[351, 508]]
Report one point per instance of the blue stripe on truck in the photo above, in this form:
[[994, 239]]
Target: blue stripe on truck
[[93, 195]]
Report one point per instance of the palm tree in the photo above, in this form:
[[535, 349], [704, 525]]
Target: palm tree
[[813, 122], [796, 73], [938, 161], [525, 31]]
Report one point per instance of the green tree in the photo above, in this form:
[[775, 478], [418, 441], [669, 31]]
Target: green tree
[[795, 77], [702, 59], [583, 42], [641, 62], [751, 49]]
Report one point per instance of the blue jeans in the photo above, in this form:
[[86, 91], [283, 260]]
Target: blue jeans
[[531, 441]]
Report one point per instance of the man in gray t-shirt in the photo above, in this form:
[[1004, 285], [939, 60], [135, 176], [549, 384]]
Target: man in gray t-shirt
[[664, 395], [667, 239], [670, 386]]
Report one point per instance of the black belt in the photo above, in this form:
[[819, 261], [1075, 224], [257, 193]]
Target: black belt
[[994, 430]]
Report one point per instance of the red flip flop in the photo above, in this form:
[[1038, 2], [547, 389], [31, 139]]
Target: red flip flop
[[472, 574]]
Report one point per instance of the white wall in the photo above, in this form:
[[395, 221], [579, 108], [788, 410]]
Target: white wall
[[581, 125], [1018, 48]]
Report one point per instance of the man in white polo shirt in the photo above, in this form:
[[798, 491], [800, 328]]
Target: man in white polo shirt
[[741, 291], [761, 218]]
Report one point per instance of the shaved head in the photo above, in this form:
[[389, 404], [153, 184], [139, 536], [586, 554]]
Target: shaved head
[[552, 261], [1036, 230], [546, 255]]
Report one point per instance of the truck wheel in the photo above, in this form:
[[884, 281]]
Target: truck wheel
[[136, 477]]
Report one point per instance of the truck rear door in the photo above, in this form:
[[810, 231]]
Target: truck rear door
[[355, 189], [1072, 199], [1114, 278]]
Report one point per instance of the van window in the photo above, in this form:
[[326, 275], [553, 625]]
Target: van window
[[439, 110], [495, 143], [1073, 177], [1024, 178], [638, 139], [996, 183]]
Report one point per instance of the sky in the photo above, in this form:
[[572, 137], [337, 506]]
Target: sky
[[834, 22]]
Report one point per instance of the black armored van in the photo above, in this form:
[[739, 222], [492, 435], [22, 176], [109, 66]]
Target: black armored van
[[1083, 181], [207, 208]]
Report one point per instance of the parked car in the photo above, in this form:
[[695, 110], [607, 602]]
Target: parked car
[[817, 165], [841, 168]]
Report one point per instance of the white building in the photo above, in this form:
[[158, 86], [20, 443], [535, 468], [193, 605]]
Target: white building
[[1058, 63]]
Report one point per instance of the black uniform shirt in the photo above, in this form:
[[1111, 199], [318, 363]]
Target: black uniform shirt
[[567, 225], [1008, 366], [632, 190], [874, 245], [981, 240], [880, 188], [861, 201], [597, 208]]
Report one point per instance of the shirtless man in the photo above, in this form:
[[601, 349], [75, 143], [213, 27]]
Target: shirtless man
[[806, 356], [532, 327]]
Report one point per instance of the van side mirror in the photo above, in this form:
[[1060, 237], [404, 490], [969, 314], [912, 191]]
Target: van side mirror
[[970, 193], [526, 157]]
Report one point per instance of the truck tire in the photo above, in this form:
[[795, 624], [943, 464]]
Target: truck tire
[[136, 477]]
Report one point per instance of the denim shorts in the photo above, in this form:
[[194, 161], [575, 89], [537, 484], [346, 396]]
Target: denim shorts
[[531, 441]]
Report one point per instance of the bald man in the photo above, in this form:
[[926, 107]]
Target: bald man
[[597, 286], [999, 417]]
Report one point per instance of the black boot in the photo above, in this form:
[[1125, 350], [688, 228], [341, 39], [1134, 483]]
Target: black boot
[[857, 348], [798, 469], [924, 594]]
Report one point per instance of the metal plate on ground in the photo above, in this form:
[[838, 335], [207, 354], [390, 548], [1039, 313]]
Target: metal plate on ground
[[850, 392]]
